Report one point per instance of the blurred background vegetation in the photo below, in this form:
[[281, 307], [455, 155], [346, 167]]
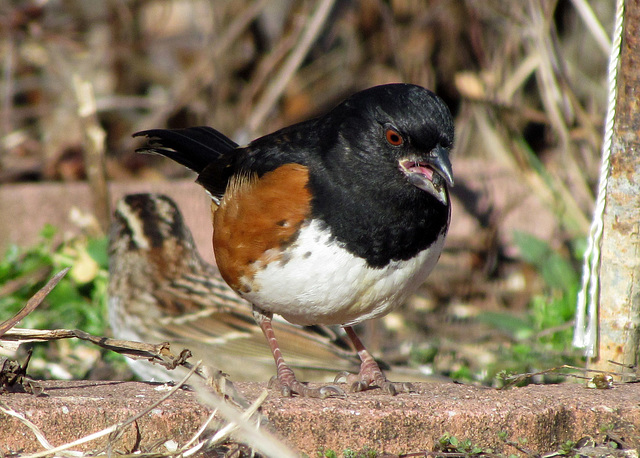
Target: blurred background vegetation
[[525, 81]]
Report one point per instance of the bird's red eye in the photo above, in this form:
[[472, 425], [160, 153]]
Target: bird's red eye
[[394, 138]]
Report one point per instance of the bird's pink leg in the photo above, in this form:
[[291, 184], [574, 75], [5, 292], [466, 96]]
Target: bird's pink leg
[[370, 373], [285, 378]]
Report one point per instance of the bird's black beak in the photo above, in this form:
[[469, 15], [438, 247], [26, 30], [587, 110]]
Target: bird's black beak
[[438, 159], [431, 174]]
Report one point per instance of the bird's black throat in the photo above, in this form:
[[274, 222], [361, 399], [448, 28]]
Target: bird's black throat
[[380, 231]]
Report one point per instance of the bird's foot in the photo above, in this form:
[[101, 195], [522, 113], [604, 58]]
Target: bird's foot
[[364, 381], [291, 386], [370, 373]]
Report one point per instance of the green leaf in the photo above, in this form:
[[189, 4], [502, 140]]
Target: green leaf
[[48, 232], [97, 249], [556, 271], [517, 327]]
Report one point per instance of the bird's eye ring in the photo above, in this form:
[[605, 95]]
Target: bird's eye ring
[[393, 137]]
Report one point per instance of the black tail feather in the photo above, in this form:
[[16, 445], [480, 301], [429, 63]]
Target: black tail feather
[[193, 147]]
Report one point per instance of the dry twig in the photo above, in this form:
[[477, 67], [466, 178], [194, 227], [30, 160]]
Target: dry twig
[[33, 303]]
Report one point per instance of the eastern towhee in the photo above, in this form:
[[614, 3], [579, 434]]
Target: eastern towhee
[[334, 220]]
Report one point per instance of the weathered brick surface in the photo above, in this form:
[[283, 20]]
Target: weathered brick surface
[[70, 410], [544, 416]]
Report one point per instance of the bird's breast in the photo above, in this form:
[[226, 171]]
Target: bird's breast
[[316, 280]]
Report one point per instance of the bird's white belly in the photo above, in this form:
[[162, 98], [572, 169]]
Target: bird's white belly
[[322, 283]]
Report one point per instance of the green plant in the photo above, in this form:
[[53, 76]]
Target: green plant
[[568, 448], [451, 444], [556, 306], [541, 336], [79, 301], [348, 453], [606, 427]]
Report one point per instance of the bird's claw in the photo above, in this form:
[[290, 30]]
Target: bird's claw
[[407, 387], [290, 388], [360, 382], [359, 385], [331, 390], [340, 376]]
